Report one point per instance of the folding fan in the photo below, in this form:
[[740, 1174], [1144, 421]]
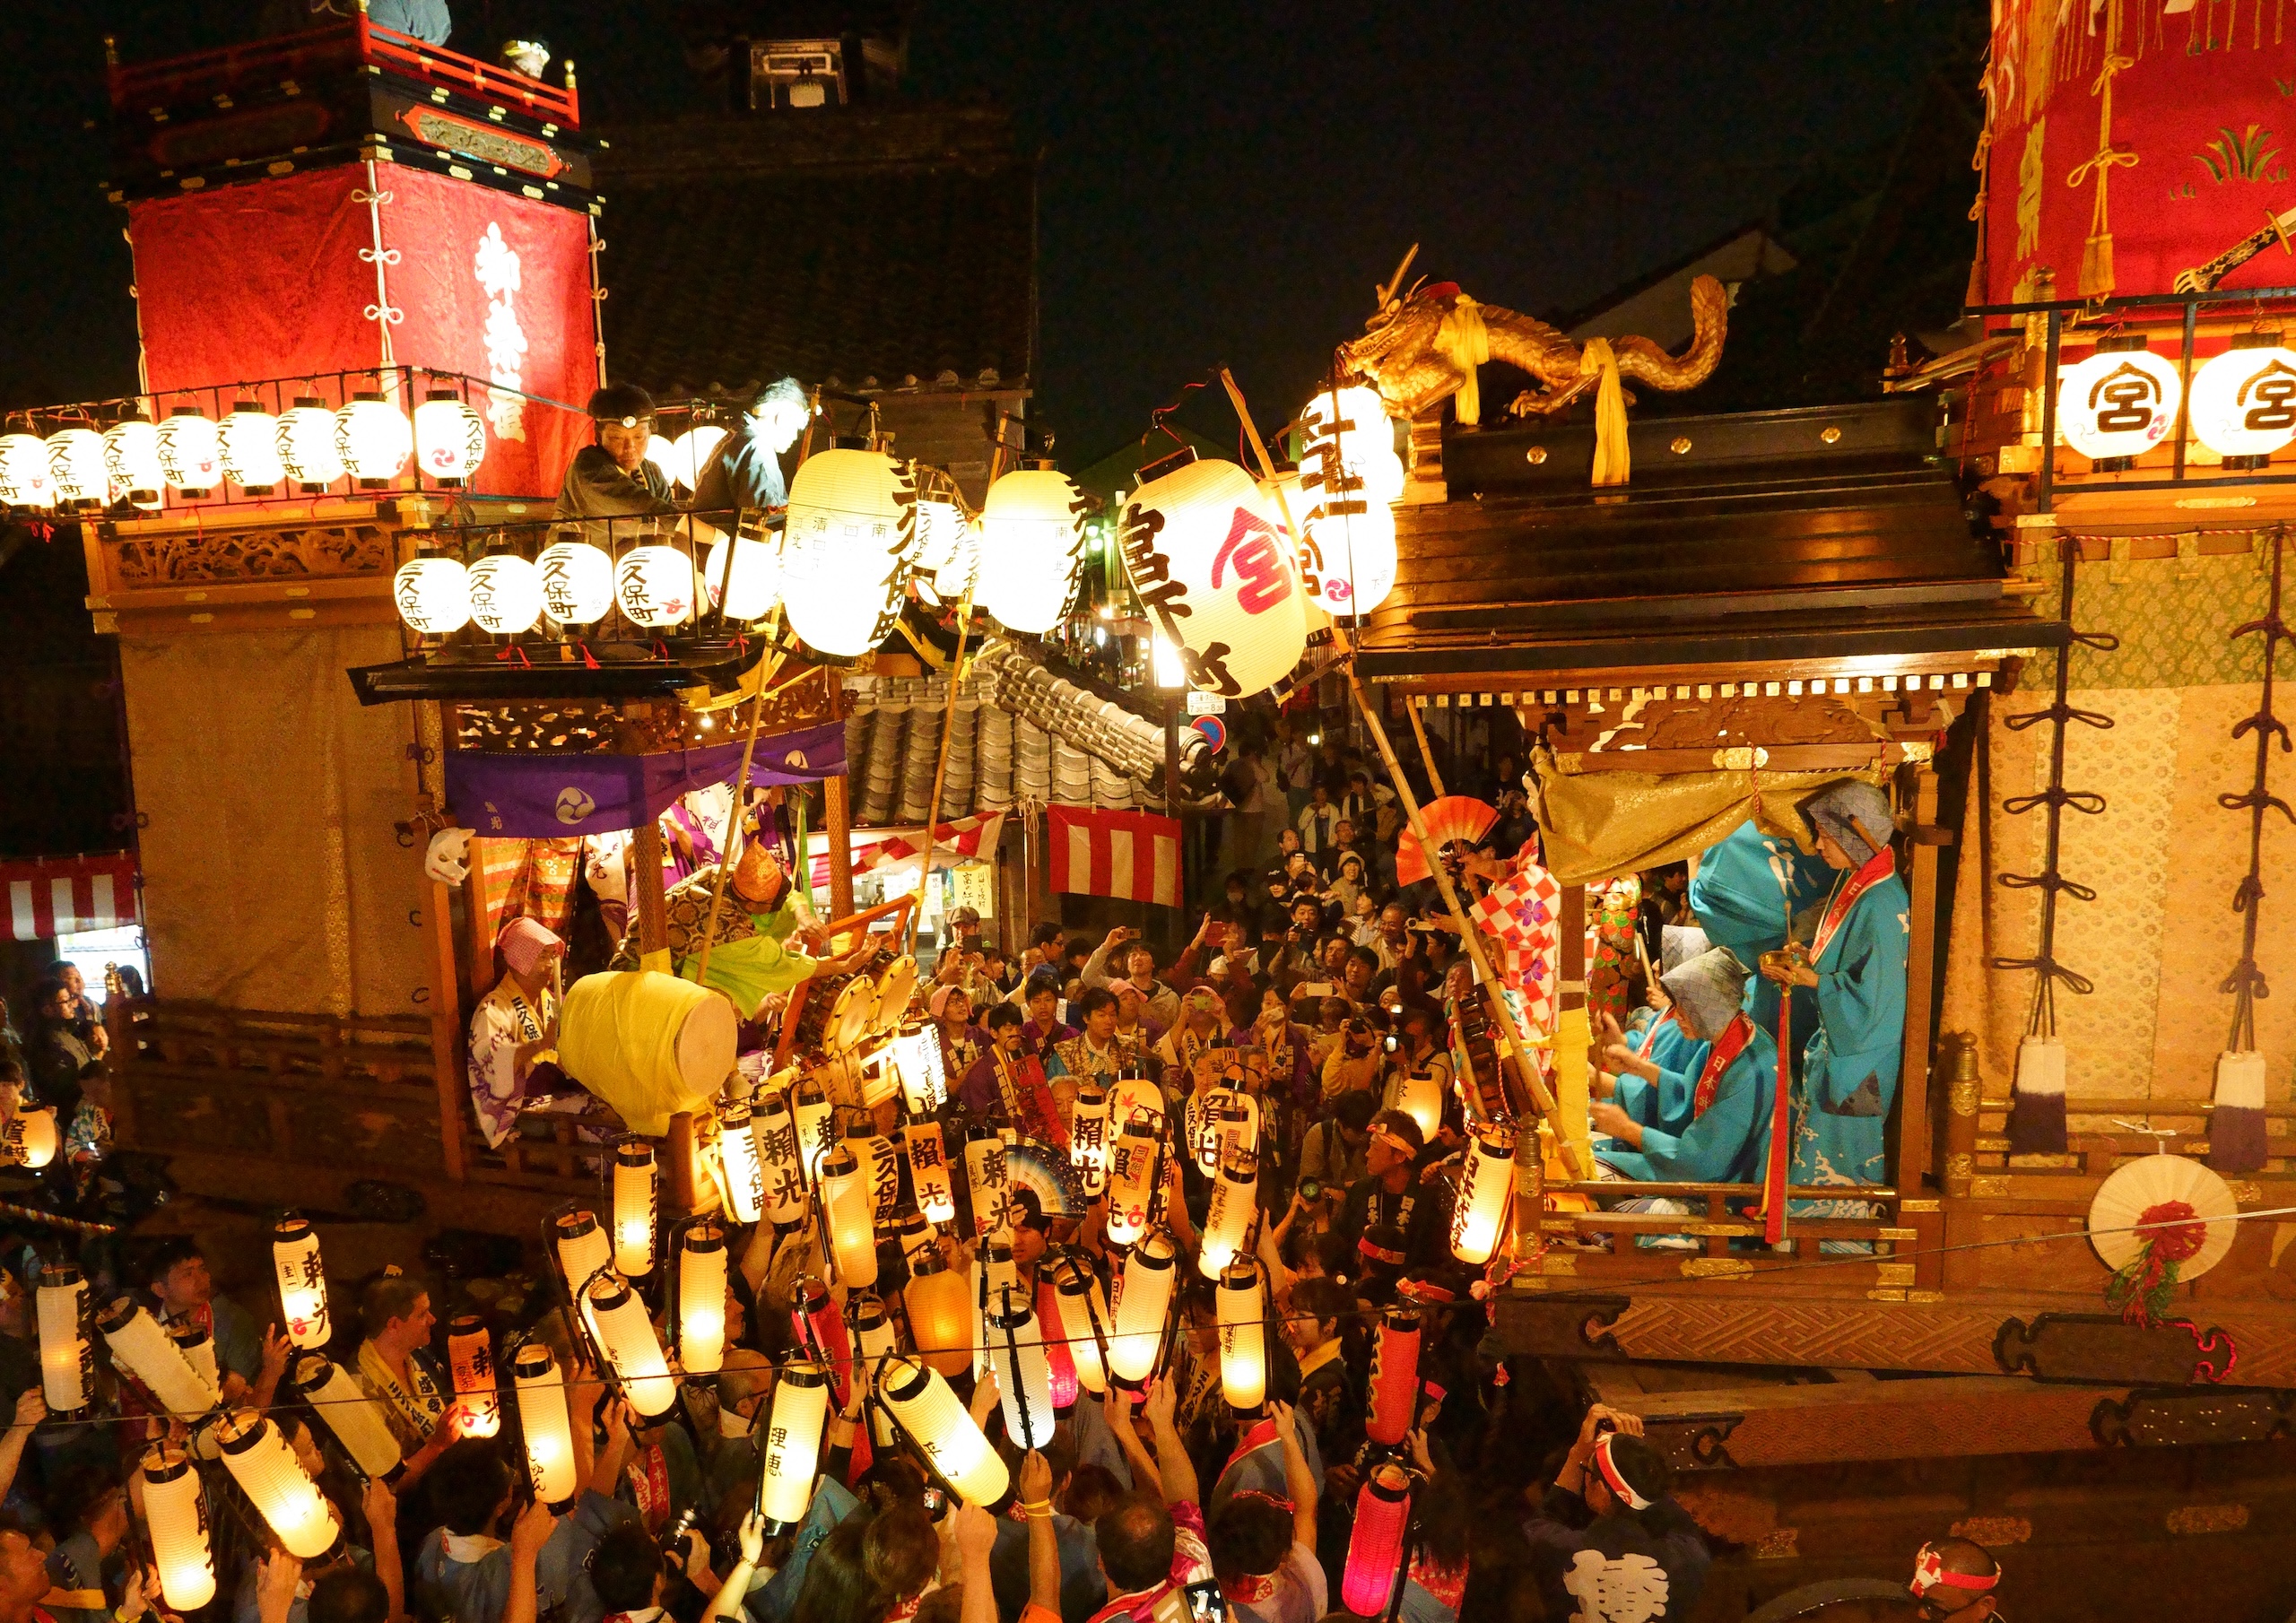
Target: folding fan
[[1032, 1165], [1455, 817]]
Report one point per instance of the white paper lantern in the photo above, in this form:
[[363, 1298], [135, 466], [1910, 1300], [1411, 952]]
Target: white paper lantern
[[373, 437], [2244, 401], [249, 438], [937, 1423], [1420, 1096], [942, 531], [2120, 402], [505, 595], [618, 1319], [67, 1362], [1205, 541], [267, 1470], [132, 458], [433, 594], [175, 1511], [1143, 1297], [1351, 446], [1348, 558], [191, 451], [449, 436], [655, 586], [577, 582], [302, 1282], [1131, 1181], [1032, 549], [635, 1195], [582, 1246], [776, 1132], [543, 1420], [1084, 1321], [792, 1444], [1243, 1338], [142, 1348], [1228, 1219], [682, 459], [345, 1408], [1023, 1373], [701, 1296], [1479, 1214], [847, 550], [755, 584], [77, 467], [928, 1172], [745, 1176], [815, 1115], [850, 1217], [661, 453], [307, 444], [26, 480]]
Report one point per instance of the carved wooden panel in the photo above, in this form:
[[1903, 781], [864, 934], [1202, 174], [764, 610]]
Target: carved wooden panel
[[161, 559], [2101, 1348]]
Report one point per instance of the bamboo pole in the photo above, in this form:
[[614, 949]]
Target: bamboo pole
[[940, 775], [1411, 707], [727, 857]]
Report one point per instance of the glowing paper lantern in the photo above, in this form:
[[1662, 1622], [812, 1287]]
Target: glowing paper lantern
[[2120, 402], [1084, 1321], [737, 1154], [32, 1136], [449, 436], [505, 595], [2244, 401], [345, 1407], [142, 1348], [1213, 563], [1143, 1297], [132, 459], [660, 451], [682, 459], [373, 437], [1375, 1550], [1131, 1181], [776, 1132], [701, 1297], [1032, 549], [77, 467], [928, 1172], [470, 1355], [68, 1363], [655, 586], [175, 1511], [1421, 1098], [307, 444], [619, 1319], [793, 1441], [582, 1247], [1348, 558], [1023, 1373], [937, 1423], [881, 1165], [268, 1472], [1243, 1338], [542, 1420], [191, 451], [1394, 1392], [577, 582], [940, 1314], [985, 1180], [1486, 1189], [26, 480], [197, 1343], [923, 1080], [850, 1217], [942, 533], [849, 540], [1228, 1219], [433, 594], [636, 1182], [755, 583], [1351, 446], [1088, 1137], [302, 1282], [814, 1116], [249, 442]]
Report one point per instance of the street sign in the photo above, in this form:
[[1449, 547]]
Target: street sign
[[1213, 729], [1206, 704]]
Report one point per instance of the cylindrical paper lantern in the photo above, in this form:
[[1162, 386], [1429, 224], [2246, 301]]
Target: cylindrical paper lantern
[[470, 1355], [737, 1154], [175, 1511], [2120, 402], [132, 459], [302, 1282], [684, 458], [937, 1423], [755, 585], [142, 1348], [1143, 1298], [505, 595], [776, 1132], [1350, 426], [1023, 1373], [1375, 1544], [2244, 401], [1421, 1098], [307, 444], [1349, 560], [1394, 1390], [924, 1082], [619, 1319], [880, 1174], [928, 1171], [1216, 567], [821, 1331], [1243, 1338], [793, 1440], [543, 1419], [655, 586], [191, 451], [851, 536], [449, 436], [1032, 549], [874, 1336], [68, 1363], [814, 1120], [373, 437], [846, 1211], [985, 1180], [343, 1407], [636, 1194], [941, 526], [1486, 1190], [582, 1246], [1131, 1181], [197, 1343], [577, 582], [940, 1314], [77, 466], [26, 480], [701, 1296], [249, 441], [433, 594], [1082, 1308], [268, 1472], [1228, 1219], [1088, 1137]]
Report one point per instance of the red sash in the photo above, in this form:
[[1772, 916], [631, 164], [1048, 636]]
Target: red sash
[[1259, 1436], [1734, 1037], [1879, 867], [1027, 1098], [649, 1486]]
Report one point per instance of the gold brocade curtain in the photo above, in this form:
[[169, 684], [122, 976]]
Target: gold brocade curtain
[[1598, 824]]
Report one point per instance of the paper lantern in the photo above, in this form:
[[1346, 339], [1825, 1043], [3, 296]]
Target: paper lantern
[[1420, 1096], [542, 1421], [992, 1275], [197, 1343], [248, 438], [175, 1509], [433, 594], [755, 583], [815, 1117], [701, 1296], [874, 1336], [1059, 1362], [307, 444], [191, 451], [77, 467], [1228, 1219], [449, 436], [937, 1424], [32, 1136], [846, 550], [1032, 549], [1243, 1338], [132, 459], [469, 1358], [940, 1314], [505, 595], [1143, 1297], [343, 1407], [881, 1167], [985, 1180], [1216, 567], [2120, 402], [373, 437], [1350, 447], [945, 562], [1394, 1393], [26, 480], [744, 1178], [1486, 1193], [775, 1130], [1131, 1181], [1375, 1543], [1348, 558], [635, 1199], [792, 1444], [618, 1319], [1084, 1321], [268, 1472], [2244, 401], [928, 1172], [302, 1282], [850, 1215], [821, 1331], [923, 1080], [682, 459], [1088, 1137], [68, 1363], [582, 1248], [577, 582], [142, 1348], [655, 586], [1023, 1373]]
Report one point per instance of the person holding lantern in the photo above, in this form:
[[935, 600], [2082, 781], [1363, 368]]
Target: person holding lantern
[[514, 1029]]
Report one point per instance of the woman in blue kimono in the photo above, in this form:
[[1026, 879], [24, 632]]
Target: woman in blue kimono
[[1747, 888], [1727, 1136], [1652, 1075]]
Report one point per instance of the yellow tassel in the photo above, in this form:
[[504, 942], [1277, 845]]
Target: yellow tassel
[[2096, 266], [1611, 455]]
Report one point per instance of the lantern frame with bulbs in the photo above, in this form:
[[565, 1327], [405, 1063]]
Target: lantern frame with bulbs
[[2243, 401], [2119, 403]]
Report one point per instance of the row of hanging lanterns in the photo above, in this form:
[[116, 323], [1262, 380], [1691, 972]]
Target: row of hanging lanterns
[[2121, 400], [367, 438]]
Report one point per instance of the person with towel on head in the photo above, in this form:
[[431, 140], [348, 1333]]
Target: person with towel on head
[[1654, 1075], [1727, 1134], [514, 1029], [612, 479]]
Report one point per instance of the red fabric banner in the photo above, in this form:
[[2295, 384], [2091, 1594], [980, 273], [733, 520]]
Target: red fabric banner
[[1131, 854], [50, 895]]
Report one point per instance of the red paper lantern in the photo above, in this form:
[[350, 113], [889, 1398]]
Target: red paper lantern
[[820, 1329], [1375, 1546], [1395, 1378]]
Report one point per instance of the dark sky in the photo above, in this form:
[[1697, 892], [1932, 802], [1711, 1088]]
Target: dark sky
[[1222, 183]]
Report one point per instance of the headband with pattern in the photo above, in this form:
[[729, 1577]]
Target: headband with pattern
[[1614, 1478]]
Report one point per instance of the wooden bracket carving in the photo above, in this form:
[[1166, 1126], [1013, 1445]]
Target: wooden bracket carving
[[2106, 1350]]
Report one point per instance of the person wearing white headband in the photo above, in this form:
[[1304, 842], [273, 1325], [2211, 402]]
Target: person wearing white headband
[[1608, 1541], [1956, 1578]]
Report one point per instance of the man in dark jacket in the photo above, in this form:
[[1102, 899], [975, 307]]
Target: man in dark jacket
[[1390, 1194], [1608, 1544], [612, 479]]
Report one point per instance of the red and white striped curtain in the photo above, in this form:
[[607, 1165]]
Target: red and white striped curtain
[[50, 895], [1131, 854]]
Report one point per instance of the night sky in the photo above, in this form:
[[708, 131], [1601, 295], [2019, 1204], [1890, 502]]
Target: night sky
[[1220, 183]]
